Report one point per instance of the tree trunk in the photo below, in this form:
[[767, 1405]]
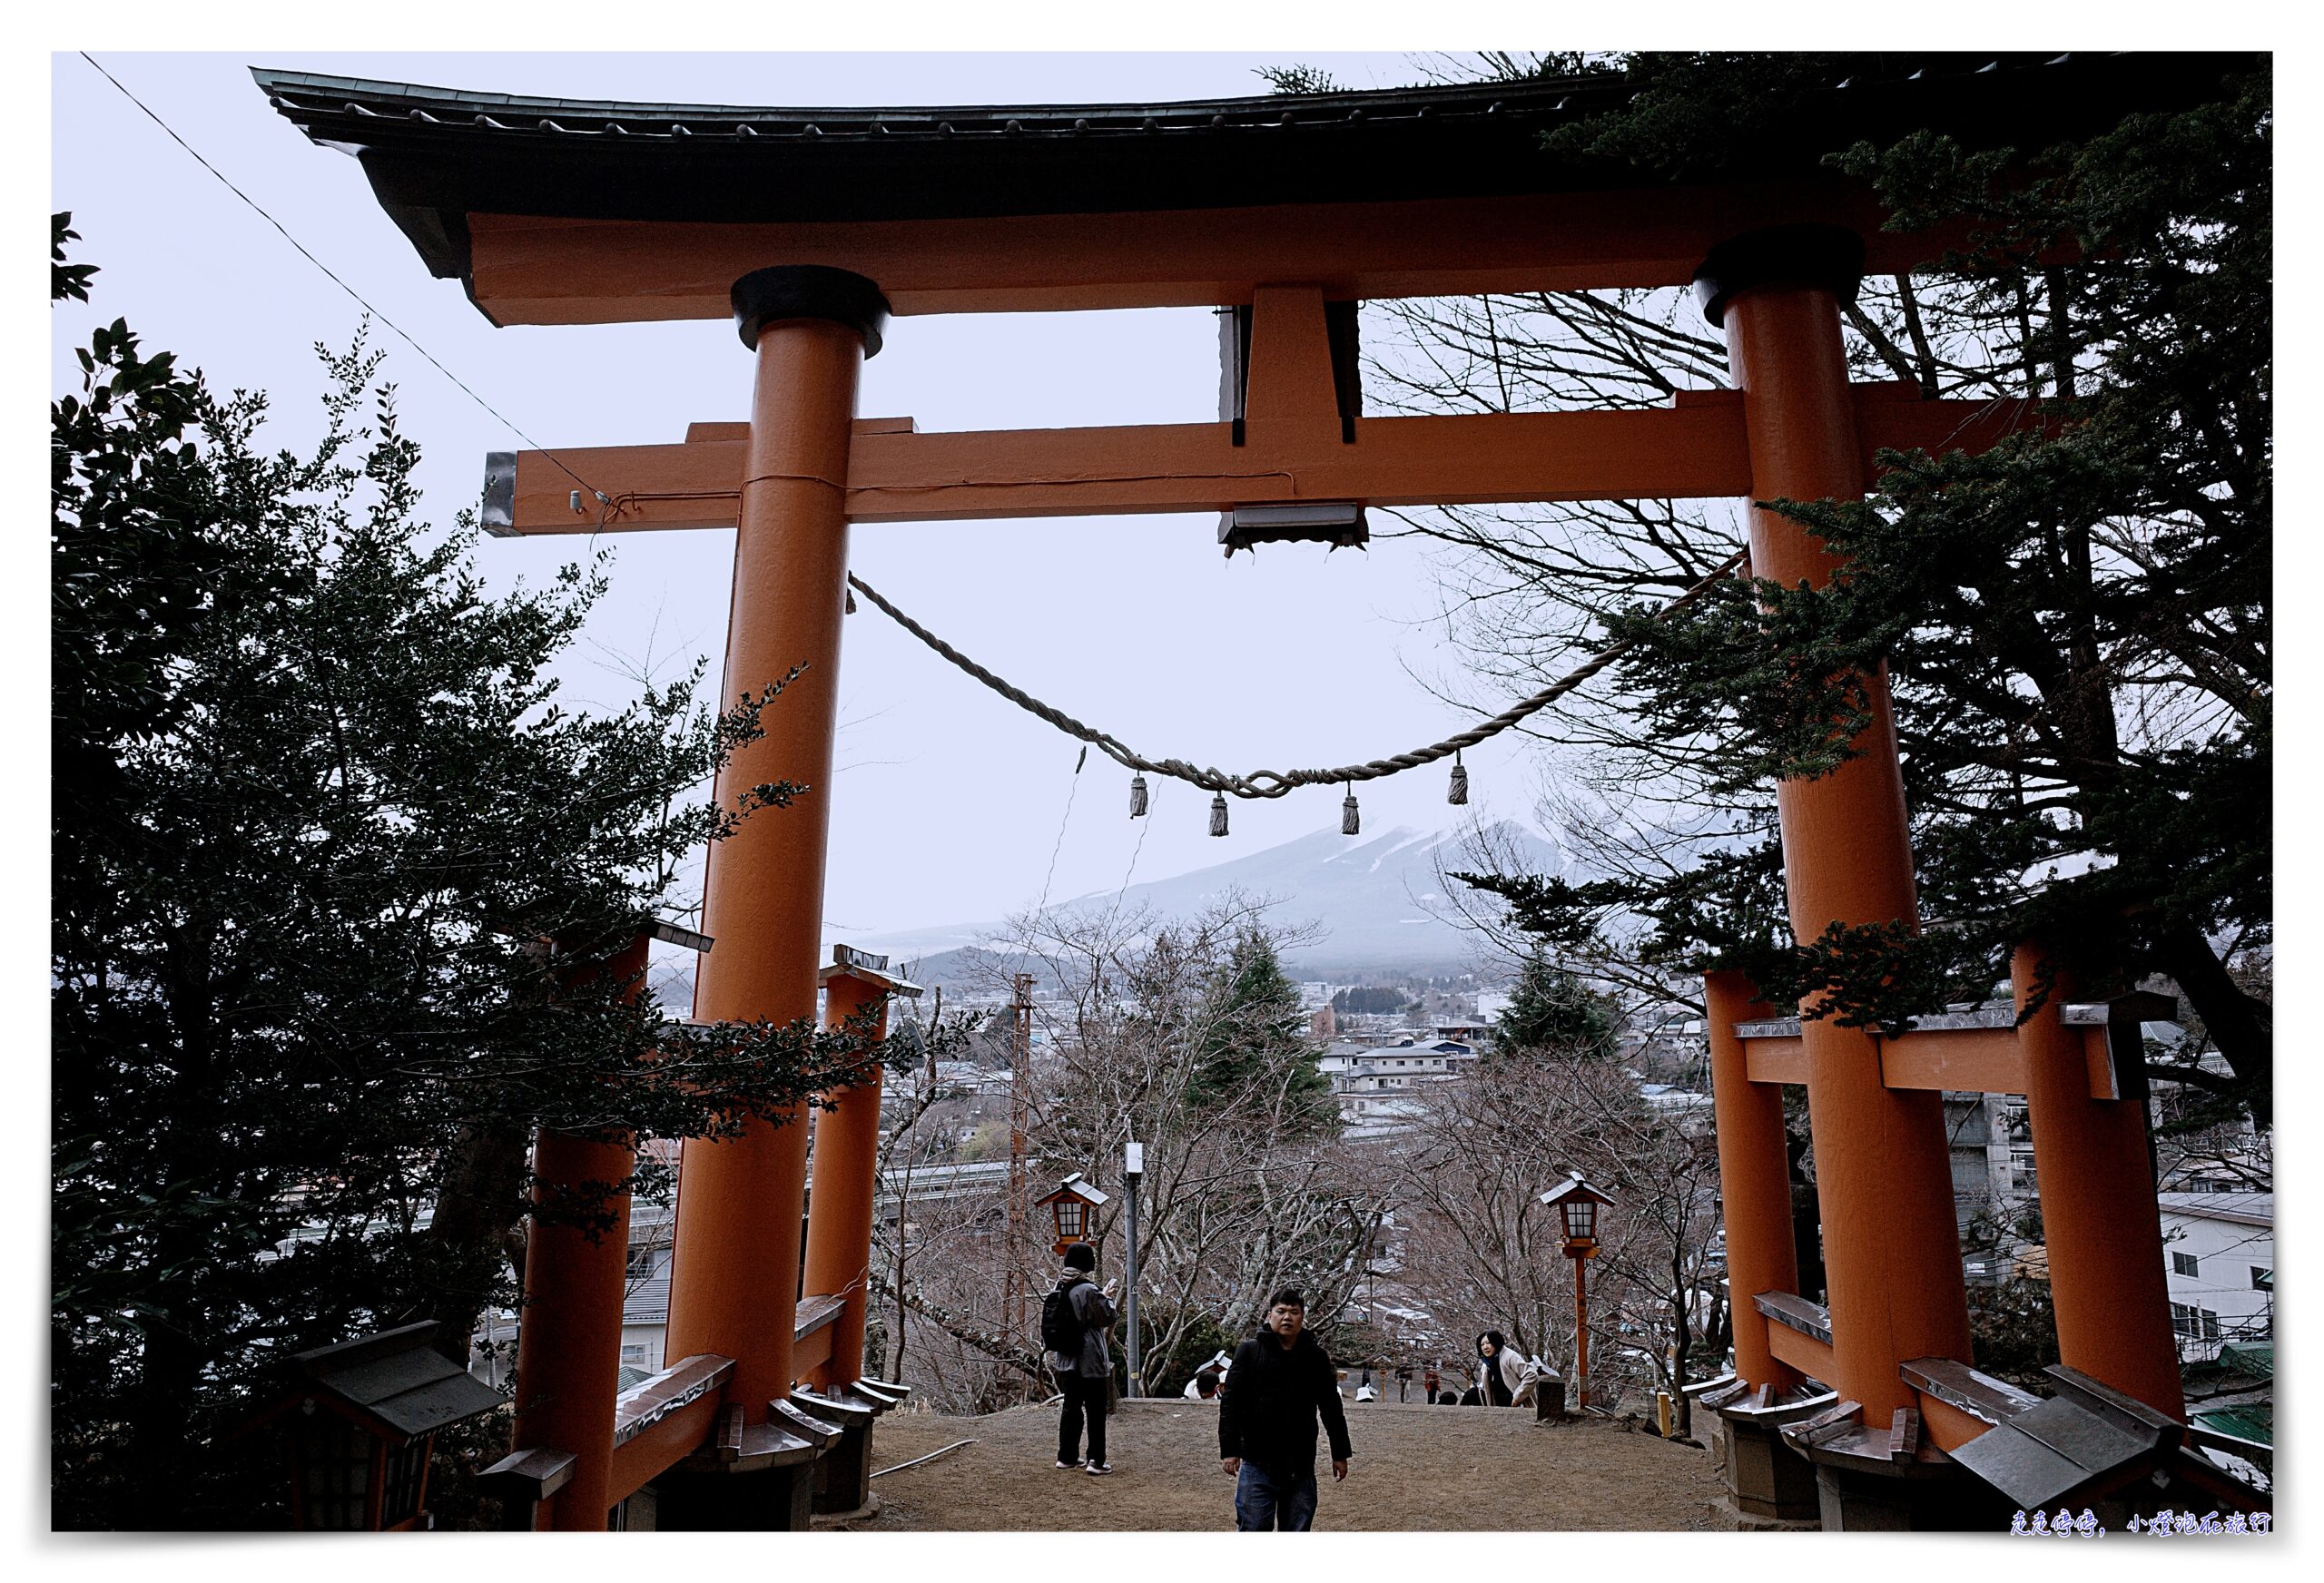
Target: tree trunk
[[477, 1209], [1681, 1345], [162, 1424], [2241, 1025]]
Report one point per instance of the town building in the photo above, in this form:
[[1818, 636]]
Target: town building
[[2222, 1250]]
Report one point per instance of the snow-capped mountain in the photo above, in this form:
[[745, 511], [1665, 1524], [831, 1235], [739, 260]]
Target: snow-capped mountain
[[1377, 903]]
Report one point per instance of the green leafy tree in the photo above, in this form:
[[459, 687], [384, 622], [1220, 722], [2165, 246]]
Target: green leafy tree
[[335, 877], [1550, 1009]]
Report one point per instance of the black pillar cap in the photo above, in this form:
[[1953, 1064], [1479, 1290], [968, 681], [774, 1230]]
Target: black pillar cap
[[1790, 255], [808, 292]]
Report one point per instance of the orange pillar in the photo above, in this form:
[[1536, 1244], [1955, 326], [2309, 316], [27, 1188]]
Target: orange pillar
[[2099, 1217], [847, 1162], [569, 1339], [734, 1286], [1884, 1175], [1754, 1178]]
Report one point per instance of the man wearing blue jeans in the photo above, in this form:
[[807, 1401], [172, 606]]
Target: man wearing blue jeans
[[1280, 1382]]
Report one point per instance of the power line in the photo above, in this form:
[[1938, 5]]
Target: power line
[[1072, 790], [260, 210]]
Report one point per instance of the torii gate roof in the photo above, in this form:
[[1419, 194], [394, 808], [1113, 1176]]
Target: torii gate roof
[[562, 211]]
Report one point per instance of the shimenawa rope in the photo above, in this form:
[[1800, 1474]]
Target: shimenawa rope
[[1262, 784]]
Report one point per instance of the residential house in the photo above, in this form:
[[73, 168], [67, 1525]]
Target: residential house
[[2221, 1252]]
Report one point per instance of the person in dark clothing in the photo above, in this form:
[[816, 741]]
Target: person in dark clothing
[[1083, 1374], [1280, 1381]]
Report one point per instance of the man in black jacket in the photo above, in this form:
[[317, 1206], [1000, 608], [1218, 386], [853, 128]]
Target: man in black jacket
[[1279, 1382], [1082, 1374]]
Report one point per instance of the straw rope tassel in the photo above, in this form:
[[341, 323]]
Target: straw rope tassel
[[1457, 792], [1218, 813], [1138, 797], [1351, 822]]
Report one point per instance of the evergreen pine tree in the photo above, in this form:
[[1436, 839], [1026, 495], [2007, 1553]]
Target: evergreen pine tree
[[1551, 1009], [2076, 624], [1250, 1047], [317, 812]]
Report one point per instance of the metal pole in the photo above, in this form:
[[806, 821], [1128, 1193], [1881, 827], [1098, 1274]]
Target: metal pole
[[1133, 1168], [1019, 1060]]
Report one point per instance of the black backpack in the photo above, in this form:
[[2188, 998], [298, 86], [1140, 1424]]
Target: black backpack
[[1061, 1327]]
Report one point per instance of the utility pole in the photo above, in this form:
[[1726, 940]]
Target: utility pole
[[1133, 1169], [1020, 1061]]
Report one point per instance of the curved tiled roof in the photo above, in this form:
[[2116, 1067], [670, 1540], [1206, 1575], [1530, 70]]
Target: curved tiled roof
[[435, 156]]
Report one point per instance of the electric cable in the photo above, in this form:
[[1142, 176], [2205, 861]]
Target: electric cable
[[332, 276]]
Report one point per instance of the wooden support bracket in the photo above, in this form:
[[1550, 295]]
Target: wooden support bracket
[[791, 1418], [1840, 1419], [1905, 1434], [522, 1479], [835, 1408]]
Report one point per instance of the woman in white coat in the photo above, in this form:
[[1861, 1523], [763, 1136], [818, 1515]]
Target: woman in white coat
[[1499, 1371]]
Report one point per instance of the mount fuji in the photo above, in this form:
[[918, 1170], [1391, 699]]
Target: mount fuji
[[1377, 905]]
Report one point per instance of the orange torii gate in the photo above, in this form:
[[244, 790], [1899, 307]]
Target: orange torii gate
[[812, 227]]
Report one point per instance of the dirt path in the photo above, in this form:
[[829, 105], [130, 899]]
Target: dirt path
[[1418, 1469]]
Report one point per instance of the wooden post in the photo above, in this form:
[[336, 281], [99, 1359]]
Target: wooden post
[[1754, 1178], [846, 1164], [2100, 1223], [735, 1273], [569, 1337], [1581, 1332], [1883, 1168]]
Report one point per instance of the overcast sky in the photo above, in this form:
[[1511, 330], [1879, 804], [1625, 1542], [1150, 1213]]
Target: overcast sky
[[949, 801]]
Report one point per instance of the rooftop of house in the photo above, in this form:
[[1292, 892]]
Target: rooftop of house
[[2242, 1208]]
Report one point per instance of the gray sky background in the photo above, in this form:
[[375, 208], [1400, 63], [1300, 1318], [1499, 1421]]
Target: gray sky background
[[949, 801]]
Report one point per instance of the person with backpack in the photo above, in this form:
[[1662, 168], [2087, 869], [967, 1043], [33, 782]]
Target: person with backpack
[[1075, 1319], [1280, 1381]]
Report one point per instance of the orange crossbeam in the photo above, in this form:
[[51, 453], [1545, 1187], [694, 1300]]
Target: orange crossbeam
[[1692, 450], [1985, 1060], [1979, 1060], [1776, 1060], [1964, 1060], [535, 270], [1804, 1353], [812, 1351], [660, 1446], [1947, 1425]]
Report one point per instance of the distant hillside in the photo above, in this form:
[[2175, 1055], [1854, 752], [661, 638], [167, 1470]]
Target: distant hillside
[[1377, 902]]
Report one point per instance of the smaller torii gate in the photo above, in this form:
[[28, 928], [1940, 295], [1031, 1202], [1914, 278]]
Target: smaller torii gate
[[679, 1429], [811, 226]]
